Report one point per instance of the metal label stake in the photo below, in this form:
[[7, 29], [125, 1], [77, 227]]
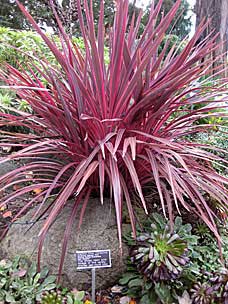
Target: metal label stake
[[92, 259], [93, 284]]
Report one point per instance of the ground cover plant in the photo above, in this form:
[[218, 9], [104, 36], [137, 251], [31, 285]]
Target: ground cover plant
[[179, 265], [21, 283], [109, 128], [217, 138]]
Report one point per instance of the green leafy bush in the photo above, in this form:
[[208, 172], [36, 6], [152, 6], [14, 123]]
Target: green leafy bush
[[174, 42], [17, 46], [9, 102], [205, 257], [21, 283], [215, 138], [11, 105]]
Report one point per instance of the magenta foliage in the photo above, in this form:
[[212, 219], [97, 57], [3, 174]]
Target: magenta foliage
[[119, 126]]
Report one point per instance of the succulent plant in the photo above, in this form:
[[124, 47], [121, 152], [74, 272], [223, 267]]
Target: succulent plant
[[53, 297], [220, 285], [57, 297], [161, 253], [202, 293]]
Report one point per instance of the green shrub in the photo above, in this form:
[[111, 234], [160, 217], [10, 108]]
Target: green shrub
[[14, 44], [9, 101], [205, 257], [10, 104], [218, 139], [174, 42], [21, 283], [16, 47]]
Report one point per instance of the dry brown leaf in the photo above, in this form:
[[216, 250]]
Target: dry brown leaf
[[16, 187], [7, 214], [37, 190]]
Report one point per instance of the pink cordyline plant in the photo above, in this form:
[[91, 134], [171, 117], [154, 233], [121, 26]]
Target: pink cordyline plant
[[115, 127]]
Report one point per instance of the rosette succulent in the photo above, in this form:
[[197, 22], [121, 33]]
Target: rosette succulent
[[161, 253], [202, 293], [220, 285]]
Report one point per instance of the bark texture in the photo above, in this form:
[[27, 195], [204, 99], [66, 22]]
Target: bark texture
[[216, 11]]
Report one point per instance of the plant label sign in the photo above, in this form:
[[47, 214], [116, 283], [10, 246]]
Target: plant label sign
[[93, 259]]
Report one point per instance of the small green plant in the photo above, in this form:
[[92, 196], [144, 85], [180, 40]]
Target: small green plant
[[53, 297], [205, 257], [5, 99], [21, 283], [213, 290], [9, 102], [75, 297]]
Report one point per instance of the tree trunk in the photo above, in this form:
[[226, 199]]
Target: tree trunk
[[217, 12]]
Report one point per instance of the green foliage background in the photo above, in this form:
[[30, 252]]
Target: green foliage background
[[40, 10]]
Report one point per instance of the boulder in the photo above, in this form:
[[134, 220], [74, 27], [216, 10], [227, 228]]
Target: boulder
[[98, 231], [7, 167]]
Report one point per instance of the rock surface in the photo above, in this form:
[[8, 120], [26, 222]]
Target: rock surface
[[7, 167], [98, 231]]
